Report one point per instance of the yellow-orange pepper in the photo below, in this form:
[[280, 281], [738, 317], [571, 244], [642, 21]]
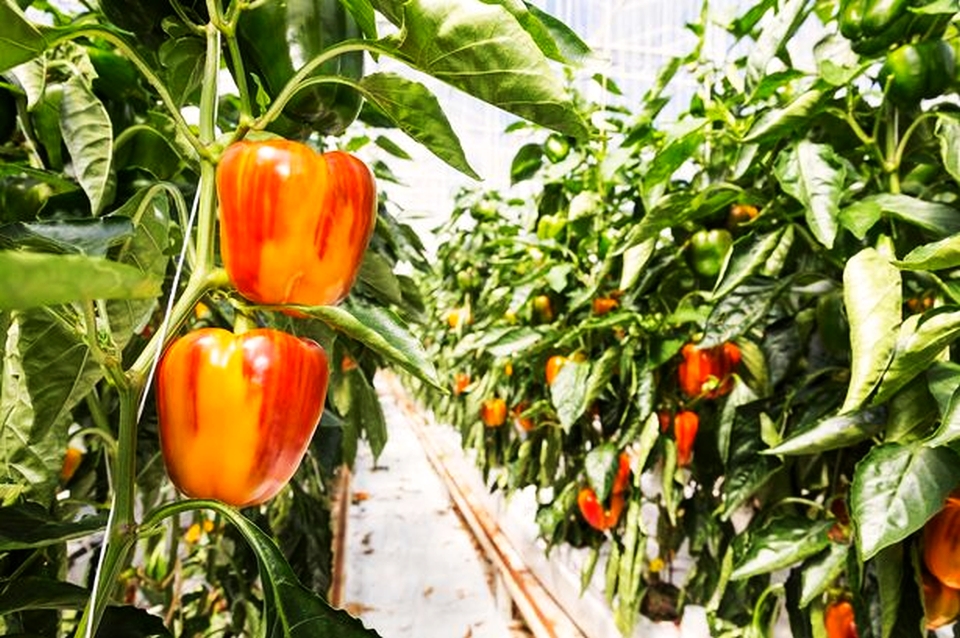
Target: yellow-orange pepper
[[236, 412]]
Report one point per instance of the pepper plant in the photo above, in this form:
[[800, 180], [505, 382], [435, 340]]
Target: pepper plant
[[125, 228], [801, 217]]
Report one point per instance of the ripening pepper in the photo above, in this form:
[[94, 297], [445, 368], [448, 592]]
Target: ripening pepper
[[294, 223], [524, 423], [685, 426], [622, 480], [71, 461], [554, 364], [941, 604], [493, 412], [941, 543], [603, 305], [839, 620], [461, 381], [707, 372], [237, 412], [914, 72], [595, 514], [543, 309]]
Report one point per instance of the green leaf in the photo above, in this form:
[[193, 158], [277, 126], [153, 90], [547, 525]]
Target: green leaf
[[747, 469], [781, 543], [33, 592], [832, 433], [890, 583], [820, 572], [568, 392], [147, 251], [86, 236], [55, 279], [600, 466], [749, 257], [948, 132], [183, 59], [143, 146], [813, 175], [936, 217], [920, 342], [382, 331], [776, 32], [872, 296], [377, 274], [30, 526], [365, 16], [290, 609], [88, 135], [860, 216], [742, 308], [358, 403], [481, 49], [564, 44], [896, 489], [47, 369], [416, 111], [949, 429], [939, 255], [774, 123], [20, 41]]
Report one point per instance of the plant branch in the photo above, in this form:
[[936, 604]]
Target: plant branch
[[88, 31]]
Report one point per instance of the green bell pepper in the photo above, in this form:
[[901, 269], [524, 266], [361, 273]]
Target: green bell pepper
[[708, 250], [915, 72], [278, 38]]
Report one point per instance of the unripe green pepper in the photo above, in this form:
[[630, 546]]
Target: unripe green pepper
[[550, 227], [869, 18], [556, 148], [708, 249], [915, 72], [278, 38]]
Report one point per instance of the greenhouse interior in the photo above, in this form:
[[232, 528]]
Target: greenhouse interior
[[480, 318]]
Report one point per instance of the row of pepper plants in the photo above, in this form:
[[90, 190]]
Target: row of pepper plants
[[193, 312], [717, 340]]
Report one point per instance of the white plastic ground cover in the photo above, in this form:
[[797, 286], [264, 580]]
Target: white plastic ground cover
[[411, 568]]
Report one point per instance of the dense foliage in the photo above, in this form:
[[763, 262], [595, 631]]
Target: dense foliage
[[754, 294]]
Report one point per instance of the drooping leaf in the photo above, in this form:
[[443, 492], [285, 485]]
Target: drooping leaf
[[896, 489], [832, 433], [780, 544], [45, 279], [918, 344], [948, 132], [415, 110], [481, 49], [600, 466], [812, 174], [873, 297], [382, 331], [773, 123], [568, 392], [939, 255], [820, 572], [88, 135], [774, 36]]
